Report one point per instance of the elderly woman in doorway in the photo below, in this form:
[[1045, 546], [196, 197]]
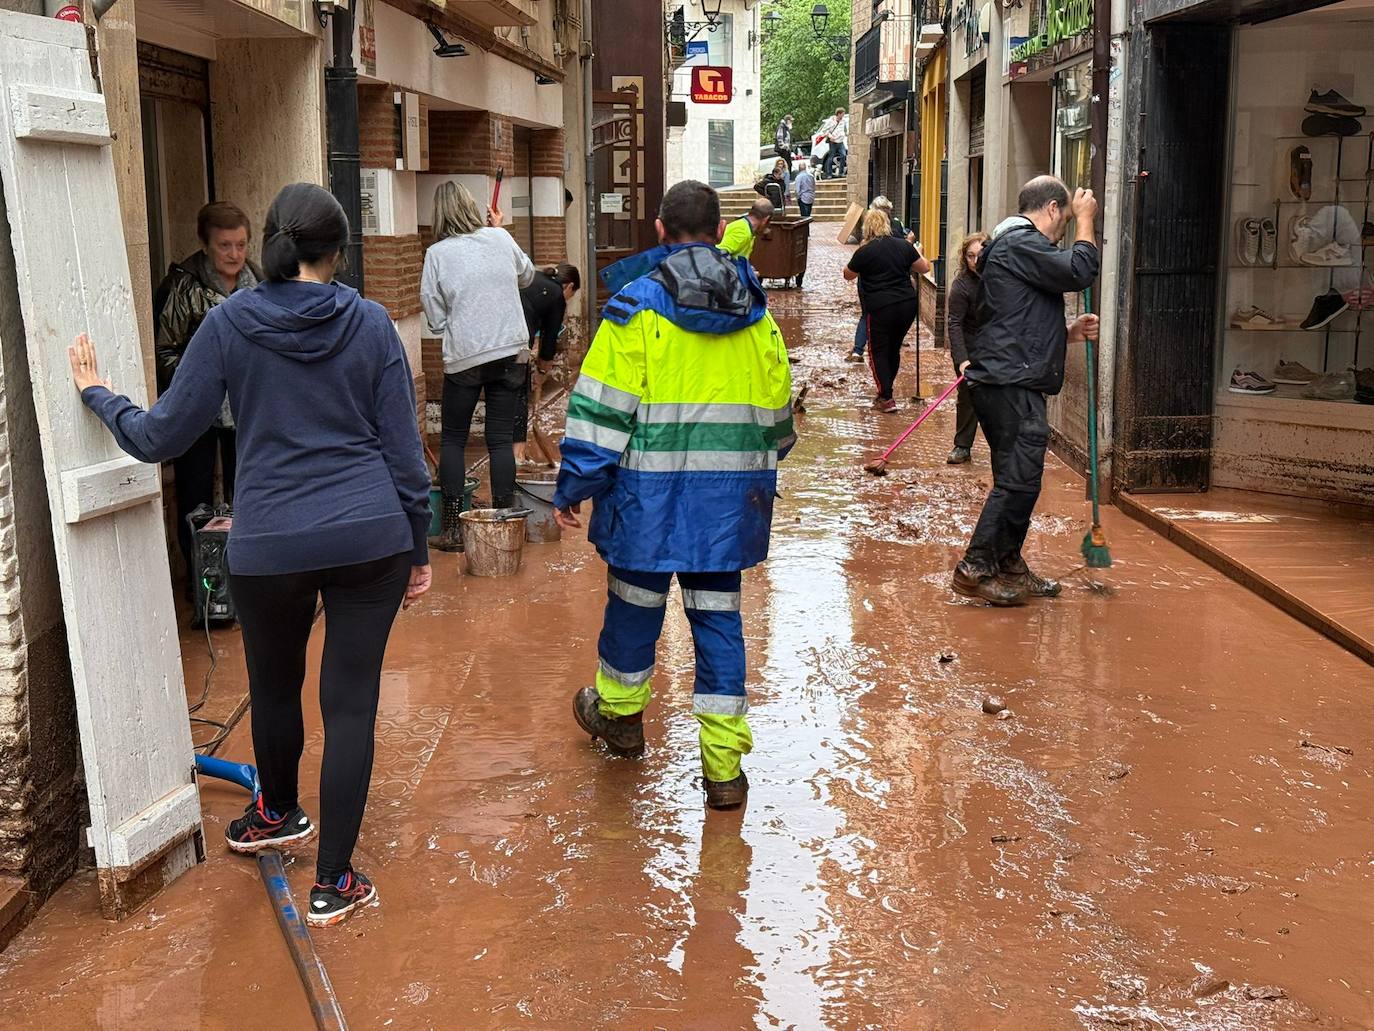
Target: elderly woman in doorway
[[470, 290], [185, 296], [333, 503]]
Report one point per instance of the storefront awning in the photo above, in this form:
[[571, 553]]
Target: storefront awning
[[1228, 12]]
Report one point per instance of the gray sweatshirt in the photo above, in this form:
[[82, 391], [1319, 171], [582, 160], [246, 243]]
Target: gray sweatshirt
[[470, 291]]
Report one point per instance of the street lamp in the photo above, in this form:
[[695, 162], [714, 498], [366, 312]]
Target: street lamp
[[771, 21], [838, 45], [820, 17], [679, 30]]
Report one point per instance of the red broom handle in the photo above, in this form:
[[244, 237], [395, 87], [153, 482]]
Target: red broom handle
[[922, 418]]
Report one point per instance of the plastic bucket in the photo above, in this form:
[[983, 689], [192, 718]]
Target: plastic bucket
[[536, 493], [436, 504], [493, 539]]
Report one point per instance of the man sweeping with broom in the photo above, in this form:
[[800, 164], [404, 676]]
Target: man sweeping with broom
[[1016, 359]]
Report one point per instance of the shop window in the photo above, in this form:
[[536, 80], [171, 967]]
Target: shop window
[[721, 152], [1073, 127], [720, 43]]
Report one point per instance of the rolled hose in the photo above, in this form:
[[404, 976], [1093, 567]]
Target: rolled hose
[[324, 1006]]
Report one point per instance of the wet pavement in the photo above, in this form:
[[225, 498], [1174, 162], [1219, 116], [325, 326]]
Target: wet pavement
[[1171, 831]]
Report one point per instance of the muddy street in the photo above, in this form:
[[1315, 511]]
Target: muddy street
[[1170, 829]]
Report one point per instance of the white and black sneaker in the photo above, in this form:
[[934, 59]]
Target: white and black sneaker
[[1332, 103], [1248, 241], [331, 903], [259, 828], [1325, 309]]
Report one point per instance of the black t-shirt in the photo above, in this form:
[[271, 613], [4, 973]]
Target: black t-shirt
[[545, 307], [884, 268]]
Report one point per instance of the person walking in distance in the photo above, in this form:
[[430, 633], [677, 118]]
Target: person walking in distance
[[961, 322], [332, 503], [835, 132], [806, 191], [782, 140], [1015, 360], [674, 430], [470, 291], [545, 304], [886, 267]]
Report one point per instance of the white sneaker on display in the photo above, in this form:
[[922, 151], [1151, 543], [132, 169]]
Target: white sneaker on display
[[1269, 242], [1333, 255], [1248, 241]]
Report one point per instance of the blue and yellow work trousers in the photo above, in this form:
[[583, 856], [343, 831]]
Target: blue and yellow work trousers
[[635, 606]]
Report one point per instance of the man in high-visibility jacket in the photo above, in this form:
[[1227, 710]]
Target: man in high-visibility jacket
[[674, 431]]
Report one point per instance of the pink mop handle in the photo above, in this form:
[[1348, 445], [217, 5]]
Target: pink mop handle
[[922, 418]]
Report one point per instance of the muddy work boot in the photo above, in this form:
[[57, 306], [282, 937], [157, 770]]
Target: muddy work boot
[[958, 456], [985, 587], [1019, 577], [451, 535], [726, 794], [624, 735]]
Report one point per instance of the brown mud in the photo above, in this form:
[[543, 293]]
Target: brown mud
[[1145, 843]]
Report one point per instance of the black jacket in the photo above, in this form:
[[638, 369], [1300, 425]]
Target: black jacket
[[1022, 336], [545, 307], [961, 316], [782, 139]]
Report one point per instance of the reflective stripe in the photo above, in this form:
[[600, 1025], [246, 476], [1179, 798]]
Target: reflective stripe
[[699, 461], [641, 596], [711, 601], [707, 413], [782, 414], [628, 679], [720, 704], [594, 433], [620, 400]]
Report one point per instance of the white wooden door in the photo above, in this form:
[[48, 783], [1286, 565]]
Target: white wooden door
[[58, 177]]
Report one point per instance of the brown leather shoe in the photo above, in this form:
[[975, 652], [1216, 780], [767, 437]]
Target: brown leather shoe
[[624, 735], [1021, 578], [726, 794], [991, 589]]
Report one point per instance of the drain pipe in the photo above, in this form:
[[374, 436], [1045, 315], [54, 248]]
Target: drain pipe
[[324, 1005], [589, 177]]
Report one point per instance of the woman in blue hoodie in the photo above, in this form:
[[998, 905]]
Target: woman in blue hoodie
[[331, 500]]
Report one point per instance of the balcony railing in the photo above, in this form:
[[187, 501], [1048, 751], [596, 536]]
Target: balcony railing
[[867, 51]]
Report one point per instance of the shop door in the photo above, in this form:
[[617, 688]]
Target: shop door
[[1164, 373], [618, 159]]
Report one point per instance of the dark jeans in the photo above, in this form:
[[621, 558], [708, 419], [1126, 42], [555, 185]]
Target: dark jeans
[[195, 480], [886, 329], [861, 335], [965, 417], [1013, 421], [499, 382], [804, 208], [276, 614], [836, 160]]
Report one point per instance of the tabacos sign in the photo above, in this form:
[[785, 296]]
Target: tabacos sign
[[1064, 19], [712, 85]]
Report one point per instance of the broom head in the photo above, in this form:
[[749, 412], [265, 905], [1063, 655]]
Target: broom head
[[1095, 549]]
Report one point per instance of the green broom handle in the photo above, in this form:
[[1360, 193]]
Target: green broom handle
[[1092, 411]]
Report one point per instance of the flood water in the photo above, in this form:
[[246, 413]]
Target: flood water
[[1172, 830]]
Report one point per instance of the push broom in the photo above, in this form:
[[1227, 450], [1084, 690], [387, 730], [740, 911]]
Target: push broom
[[879, 468], [1095, 551]]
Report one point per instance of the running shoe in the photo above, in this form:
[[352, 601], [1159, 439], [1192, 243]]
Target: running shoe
[[1249, 383], [1325, 308], [853, 356], [331, 903], [1332, 103], [887, 407], [1255, 318], [1248, 241], [1269, 242], [1330, 125], [1334, 386], [259, 828], [1333, 255], [1293, 373]]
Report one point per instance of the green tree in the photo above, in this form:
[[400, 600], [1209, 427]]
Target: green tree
[[800, 74]]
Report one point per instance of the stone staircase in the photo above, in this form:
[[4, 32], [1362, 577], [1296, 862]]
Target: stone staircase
[[832, 200]]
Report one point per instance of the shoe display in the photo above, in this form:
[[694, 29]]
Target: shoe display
[[1269, 242], [1334, 386], [1332, 103], [958, 456], [1361, 299], [1332, 255], [1330, 125], [1257, 318], [624, 735], [990, 589], [1300, 172], [1248, 241], [1293, 373], [1364, 378], [1249, 383], [1325, 308], [258, 828], [332, 903]]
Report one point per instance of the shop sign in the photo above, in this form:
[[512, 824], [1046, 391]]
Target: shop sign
[[712, 84], [968, 22], [612, 203], [367, 38], [889, 123], [69, 13], [698, 48], [414, 133], [1063, 19]]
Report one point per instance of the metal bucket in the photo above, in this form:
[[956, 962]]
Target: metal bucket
[[436, 504], [536, 493], [493, 539]]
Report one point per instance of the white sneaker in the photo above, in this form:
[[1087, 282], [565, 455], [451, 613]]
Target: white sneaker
[[1304, 237], [1269, 242], [1256, 318], [1248, 241], [1333, 255]]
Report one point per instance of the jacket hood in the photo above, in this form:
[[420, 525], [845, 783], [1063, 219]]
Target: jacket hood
[[1011, 223], [694, 286], [304, 321]]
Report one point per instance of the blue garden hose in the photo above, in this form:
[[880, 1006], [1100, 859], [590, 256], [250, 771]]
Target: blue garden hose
[[244, 775]]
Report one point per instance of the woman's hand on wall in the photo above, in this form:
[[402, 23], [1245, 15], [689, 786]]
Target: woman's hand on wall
[[84, 370]]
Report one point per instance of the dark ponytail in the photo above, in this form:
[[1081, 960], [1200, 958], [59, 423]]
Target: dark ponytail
[[304, 224], [565, 275]]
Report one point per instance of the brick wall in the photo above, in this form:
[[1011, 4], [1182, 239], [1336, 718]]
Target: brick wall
[[432, 367], [550, 241], [378, 127], [547, 146], [391, 269], [470, 142]]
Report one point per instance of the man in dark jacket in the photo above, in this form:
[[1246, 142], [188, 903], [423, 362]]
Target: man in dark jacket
[[1017, 359], [782, 141]]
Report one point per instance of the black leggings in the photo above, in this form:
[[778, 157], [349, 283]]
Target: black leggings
[[887, 328], [500, 381], [276, 613]]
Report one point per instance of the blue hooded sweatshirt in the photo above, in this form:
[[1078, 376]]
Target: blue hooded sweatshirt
[[331, 470]]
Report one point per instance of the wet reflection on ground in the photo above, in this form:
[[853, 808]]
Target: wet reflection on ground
[[1146, 842]]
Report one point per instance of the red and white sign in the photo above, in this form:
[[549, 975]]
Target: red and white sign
[[712, 85], [69, 13]]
